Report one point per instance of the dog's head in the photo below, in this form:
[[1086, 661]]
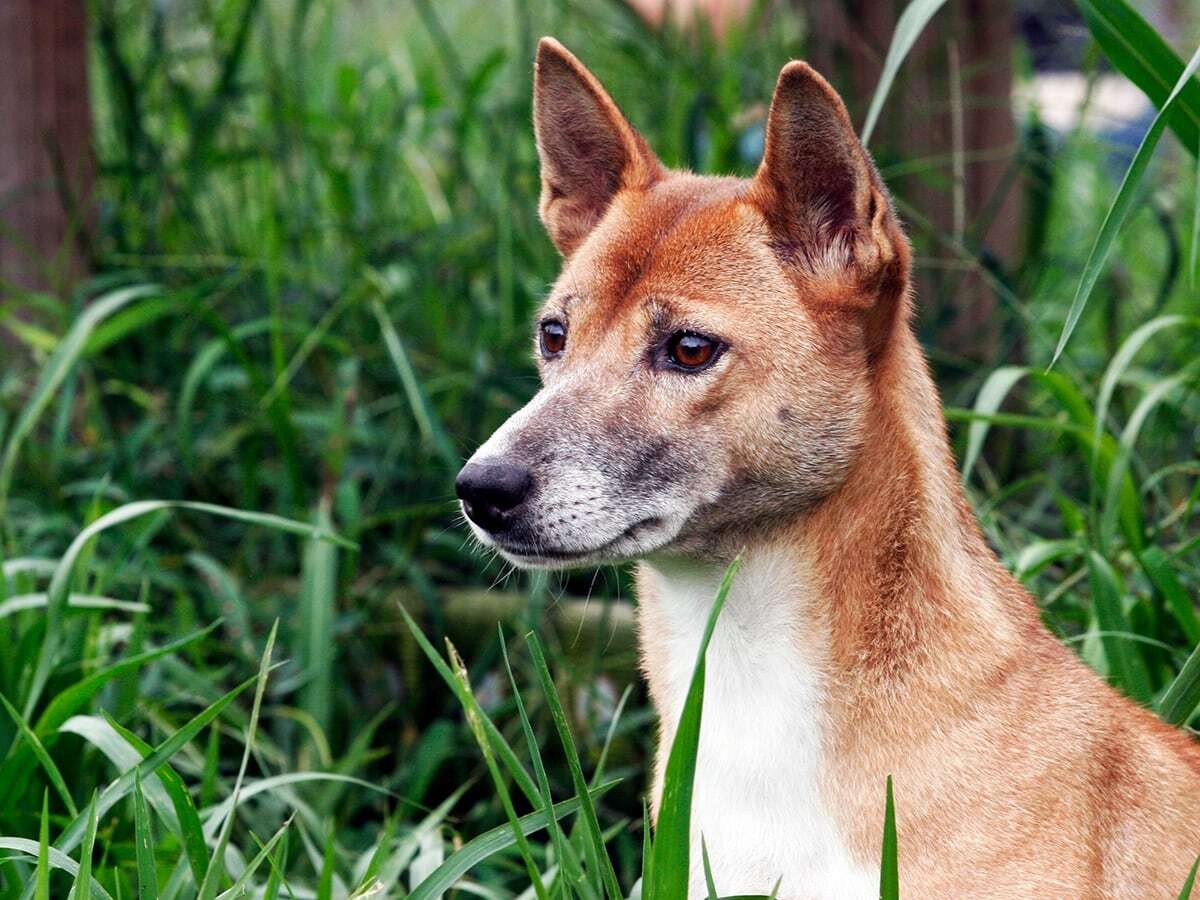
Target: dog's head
[[706, 353]]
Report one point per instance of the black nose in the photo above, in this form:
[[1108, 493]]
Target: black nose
[[491, 490]]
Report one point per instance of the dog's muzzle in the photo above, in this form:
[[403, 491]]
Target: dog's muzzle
[[492, 492]]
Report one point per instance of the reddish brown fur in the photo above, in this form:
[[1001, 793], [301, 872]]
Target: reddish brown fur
[[1018, 771]]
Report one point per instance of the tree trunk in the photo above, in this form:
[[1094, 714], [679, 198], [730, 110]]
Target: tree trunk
[[45, 144], [950, 106]]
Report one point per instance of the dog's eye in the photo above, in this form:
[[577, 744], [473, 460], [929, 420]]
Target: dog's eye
[[692, 351], [553, 337]]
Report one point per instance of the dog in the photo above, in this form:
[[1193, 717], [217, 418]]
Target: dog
[[728, 366]]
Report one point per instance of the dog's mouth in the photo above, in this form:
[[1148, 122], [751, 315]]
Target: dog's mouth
[[622, 546]]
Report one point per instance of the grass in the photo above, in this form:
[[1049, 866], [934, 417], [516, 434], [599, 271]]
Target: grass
[[316, 260]]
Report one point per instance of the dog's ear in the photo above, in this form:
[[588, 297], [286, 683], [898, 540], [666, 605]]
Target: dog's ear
[[817, 187], [587, 149]]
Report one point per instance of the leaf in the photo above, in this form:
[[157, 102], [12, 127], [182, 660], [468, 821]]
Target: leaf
[[83, 880], [238, 888], [64, 571], [889, 866], [672, 838], [1142, 55], [492, 842], [52, 772], [1124, 357], [539, 768], [467, 699], [23, 602], [216, 864], [61, 361], [69, 700], [1121, 205], [1126, 665], [489, 758], [1159, 569], [186, 818], [594, 849], [318, 606], [118, 789], [41, 890], [54, 858], [430, 426], [1118, 471], [1183, 695], [1186, 893], [147, 877], [908, 28], [991, 395], [1194, 247], [709, 883]]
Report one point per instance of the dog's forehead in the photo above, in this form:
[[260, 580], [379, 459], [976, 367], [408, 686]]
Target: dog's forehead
[[689, 236]]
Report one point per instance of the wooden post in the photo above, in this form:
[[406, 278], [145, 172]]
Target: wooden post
[[950, 105], [45, 144]]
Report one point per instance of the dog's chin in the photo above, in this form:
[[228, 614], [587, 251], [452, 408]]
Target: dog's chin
[[640, 539]]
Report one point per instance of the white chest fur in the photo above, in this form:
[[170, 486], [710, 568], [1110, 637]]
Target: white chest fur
[[757, 798]]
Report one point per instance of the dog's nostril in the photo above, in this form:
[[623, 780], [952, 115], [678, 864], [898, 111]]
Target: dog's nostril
[[489, 490]]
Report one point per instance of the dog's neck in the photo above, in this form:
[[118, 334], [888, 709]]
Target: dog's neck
[[884, 589]]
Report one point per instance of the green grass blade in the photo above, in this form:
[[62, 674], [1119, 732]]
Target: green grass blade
[[908, 28], [1183, 694], [1118, 471], [238, 888], [427, 421], [64, 571], [596, 853], [1141, 54], [318, 602], [489, 758], [71, 699], [1127, 668], [672, 838], [82, 889], [1160, 570], [889, 866], [190, 829], [41, 889], [1123, 358], [147, 876], [467, 699], [325, 878], [1194, 246], [52, 772], [55, 858], [539, 768], [1120, 209], [25, 602], [709, 883], [987, 402], [492, 842], [59, 365], [1186, 893], [647, 846], [216, 864], [111, 795]]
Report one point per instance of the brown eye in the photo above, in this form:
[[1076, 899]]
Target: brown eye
[[553, 337], [689, 350]]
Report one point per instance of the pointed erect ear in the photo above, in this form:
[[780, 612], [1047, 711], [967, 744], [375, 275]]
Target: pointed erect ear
[[816, 186], [587, 149]]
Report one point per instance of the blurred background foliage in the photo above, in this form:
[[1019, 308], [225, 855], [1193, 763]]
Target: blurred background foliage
[[337, 202]]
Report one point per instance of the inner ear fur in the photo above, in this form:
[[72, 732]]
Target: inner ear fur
[[817, 187], [588, 151]]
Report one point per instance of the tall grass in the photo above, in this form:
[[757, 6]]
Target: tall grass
[[317, 256]]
